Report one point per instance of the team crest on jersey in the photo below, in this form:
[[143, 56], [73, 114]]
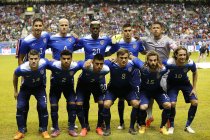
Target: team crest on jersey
[[102, 42], [134, 46], [71, 73], [185, 70], [70, 39], [130, 69], [42, 71], [44, 40]]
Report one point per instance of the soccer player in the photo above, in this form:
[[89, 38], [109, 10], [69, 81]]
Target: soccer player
[[134, 46], [121, 86], [177, 80], [36, 40], [62, 81], [162, 44], [92, 81], [34, 83], [92, 44], [151, 74], [62, 40], [203, 51]]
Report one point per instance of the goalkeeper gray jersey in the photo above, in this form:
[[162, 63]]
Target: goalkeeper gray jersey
[[161, 46]]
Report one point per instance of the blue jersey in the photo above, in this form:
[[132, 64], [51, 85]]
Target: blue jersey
[[39, 44], [134, 47], [121, 77], [58, 44], [64, 77], [178, 74], [88, 76], [33, 78], [92, 46]]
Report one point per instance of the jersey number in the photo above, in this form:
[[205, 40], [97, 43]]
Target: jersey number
[[178, 76], [96, 51], [150, 82]]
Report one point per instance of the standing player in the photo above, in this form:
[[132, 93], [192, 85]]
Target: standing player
[[34, 83], [162, 44], [62, 40], [203, 51], [177, 80], [92, 81], [121, 86], [151, 74], [134, 47], [36, 40], [62, 80], [92, 44]]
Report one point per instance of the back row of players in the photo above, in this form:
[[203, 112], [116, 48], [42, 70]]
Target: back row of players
[[124, 78]]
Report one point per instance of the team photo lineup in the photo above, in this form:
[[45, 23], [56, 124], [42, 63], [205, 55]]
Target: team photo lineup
[[120, 68]]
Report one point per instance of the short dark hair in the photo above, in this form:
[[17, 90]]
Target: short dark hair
[[159, 23], [98, 56], [178, 49], [66, 52], [126, 25], [37, 19], [33, 52]]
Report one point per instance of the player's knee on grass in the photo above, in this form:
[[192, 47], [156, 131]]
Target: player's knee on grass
[[144, 107], [107, 104], [194, 102], [135, 103], [167, 105]]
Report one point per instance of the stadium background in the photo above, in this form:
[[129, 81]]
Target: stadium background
[[186, 21]]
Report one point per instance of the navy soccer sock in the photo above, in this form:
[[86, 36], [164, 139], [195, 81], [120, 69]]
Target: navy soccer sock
[[72, 115], [165, 116], [54, 117], [20, 120], [172, 116], [86, 107], [107, 117], [191, 114], [80, 115], [121, 107], [44, 118], [134, 114], [142, 117], [100, 115]]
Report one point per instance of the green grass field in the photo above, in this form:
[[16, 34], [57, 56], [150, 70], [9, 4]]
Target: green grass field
[[8, 125]]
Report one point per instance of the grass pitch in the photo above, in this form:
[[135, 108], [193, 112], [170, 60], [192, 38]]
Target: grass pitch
[[8, 126]]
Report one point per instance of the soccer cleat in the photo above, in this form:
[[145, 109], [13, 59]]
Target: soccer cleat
[[73, 133], [132, 131], [142, 129], [189, 130], [121, 127], [75, 126], [107, 132], [149, 121], [163, 130], [99, 131], [83, 132], [55, 133], [171, 130], [45, 135], [19, 136]]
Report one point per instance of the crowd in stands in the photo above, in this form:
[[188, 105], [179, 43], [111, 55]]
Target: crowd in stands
[[181, 22]]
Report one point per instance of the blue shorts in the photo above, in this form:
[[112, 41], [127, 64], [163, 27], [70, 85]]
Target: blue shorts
[[25, 94], [159, 96], [186, 90], [57, 90], [84, 90]]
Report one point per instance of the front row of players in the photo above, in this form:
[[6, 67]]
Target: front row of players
[[124, 83]]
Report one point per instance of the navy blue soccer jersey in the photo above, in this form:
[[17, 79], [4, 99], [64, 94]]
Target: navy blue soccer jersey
[[88, 76], [64, 77], [39, 44], [33, 78], [134, 47], [178, 74], [121, 77], [93, 46], [58, 44]]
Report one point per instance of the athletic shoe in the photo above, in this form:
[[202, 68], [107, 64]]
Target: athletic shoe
[[99, 131], [132, 131], [55, 133], [189, 130], [83, 132], [171, 130], [163, 130], [73, 133], [107, 132], [45, 135], [121, 127], [19, 136], [142, 129], [149, 121]]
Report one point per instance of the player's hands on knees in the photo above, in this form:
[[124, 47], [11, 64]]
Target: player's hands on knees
[[193, 92]]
